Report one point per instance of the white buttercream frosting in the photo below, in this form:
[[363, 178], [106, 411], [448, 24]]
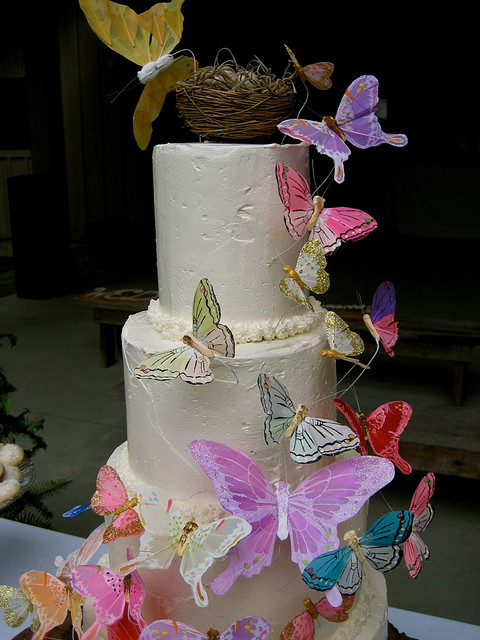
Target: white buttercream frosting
[[173, 328], [218, 216]]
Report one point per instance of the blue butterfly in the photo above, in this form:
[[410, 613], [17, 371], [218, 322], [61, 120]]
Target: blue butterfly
[[379, 545]]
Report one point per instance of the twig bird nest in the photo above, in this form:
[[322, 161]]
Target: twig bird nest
[[229, 102]]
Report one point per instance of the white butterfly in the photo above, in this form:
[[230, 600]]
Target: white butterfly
[[309, 274], [310, 438], [344, 343], [168, 534], [192, 360]]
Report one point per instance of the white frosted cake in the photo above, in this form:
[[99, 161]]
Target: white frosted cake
[[219, 217]]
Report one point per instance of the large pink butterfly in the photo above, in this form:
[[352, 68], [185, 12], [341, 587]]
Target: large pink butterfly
[[302, 626], [414, 549], [304, 212], [249, 628], [381, 320], [355, 122], [111, 499], [383, 428], [309, 514], [112, 598]]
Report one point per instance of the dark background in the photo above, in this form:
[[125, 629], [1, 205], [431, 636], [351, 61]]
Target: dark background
[[93, 185]]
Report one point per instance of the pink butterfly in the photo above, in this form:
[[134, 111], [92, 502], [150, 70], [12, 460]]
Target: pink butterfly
[[302, 626], [112, 597], [383, 428], [111, 499], [414, 549], [250, 628], [381, 319], [331, 226], [317, 73], [309, 514], [355, 122]]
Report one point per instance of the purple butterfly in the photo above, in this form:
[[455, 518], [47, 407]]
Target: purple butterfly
[[309, 514], [381, 321], [355, 122], [250, 628]]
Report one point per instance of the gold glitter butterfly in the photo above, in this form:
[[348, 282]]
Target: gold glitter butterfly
[[344, 343], [309, 274]]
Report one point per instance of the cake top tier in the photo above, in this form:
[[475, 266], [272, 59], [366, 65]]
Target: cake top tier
[[218, 216]]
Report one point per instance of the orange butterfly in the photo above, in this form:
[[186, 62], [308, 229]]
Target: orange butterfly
[[318, 73], [52, 599], [146, 39]]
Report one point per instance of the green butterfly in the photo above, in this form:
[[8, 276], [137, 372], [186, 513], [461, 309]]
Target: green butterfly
[[191, 361]]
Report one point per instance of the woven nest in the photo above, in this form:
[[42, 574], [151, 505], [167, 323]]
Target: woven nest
[[229, 102]]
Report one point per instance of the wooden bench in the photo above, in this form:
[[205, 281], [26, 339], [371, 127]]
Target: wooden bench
[[111, 309]]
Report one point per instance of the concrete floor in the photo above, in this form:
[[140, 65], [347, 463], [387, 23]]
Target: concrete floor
[[55, 368]]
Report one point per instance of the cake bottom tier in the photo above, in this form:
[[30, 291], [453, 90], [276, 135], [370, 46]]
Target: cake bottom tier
[[276, 594]]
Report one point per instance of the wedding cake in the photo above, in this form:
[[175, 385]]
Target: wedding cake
[[219, 219]]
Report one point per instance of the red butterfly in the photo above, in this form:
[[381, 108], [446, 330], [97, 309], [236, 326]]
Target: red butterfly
[[382, 428]]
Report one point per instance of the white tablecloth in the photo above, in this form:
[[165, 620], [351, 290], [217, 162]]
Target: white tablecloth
[[23, 547]]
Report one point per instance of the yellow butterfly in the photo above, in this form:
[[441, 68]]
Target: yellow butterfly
[[147, 39]]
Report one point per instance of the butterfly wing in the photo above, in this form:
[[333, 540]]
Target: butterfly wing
[[80, 556], [335, 614], [357, 119], [316, 437], [209, 542], [153, 97], [251, 627], [341, 338], [105, 589], [380, 544], [243, 491], [326, 141], [354, 421], [170, 630], [385, 426], [311, 265], [328, 497], [317, 73], [382, 316], [16, 606], [292, 289], [206, 321], [415, 550], [300, 627], [110, 498], [341, 224], [143, 39], [49, 596], [295, 195], [323, 572], [163, 524], [277, 405]]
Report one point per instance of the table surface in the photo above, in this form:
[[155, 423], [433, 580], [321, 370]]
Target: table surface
[[23, 547]]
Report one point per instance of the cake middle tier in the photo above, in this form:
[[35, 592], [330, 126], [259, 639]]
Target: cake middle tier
[[164, 416]]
